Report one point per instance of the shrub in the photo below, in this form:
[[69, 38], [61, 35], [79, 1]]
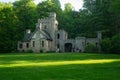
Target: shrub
[[106, 45], [91, 48], [41, 51], [28, 51], [50, 52], [115, 42]]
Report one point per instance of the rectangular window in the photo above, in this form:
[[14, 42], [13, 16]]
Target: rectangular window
[[33, 43], [27, 45], [20, 46], [58, 36], [96, 44], [42, 43]]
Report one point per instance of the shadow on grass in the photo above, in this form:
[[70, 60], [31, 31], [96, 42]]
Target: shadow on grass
[[105, 71], [11, 58]]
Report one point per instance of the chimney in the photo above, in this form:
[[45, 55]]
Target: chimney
[[52, 15], [28, 31]]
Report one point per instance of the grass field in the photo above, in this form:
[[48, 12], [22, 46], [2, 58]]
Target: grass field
[[67, 66]]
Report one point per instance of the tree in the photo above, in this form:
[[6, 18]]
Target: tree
[[68, 7], [115, 6], [8, 22], [115, 42], [45, 8], [26, 12], [106, 45], [57, 3], [97, 16], [115, 18]]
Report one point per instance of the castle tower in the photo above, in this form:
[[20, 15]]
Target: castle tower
[[52, 28], [54, 22], [61, 37]]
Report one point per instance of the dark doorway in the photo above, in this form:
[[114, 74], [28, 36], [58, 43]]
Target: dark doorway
[[68, 47]]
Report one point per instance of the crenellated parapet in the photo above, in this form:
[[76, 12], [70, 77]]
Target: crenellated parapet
[[52, 16]]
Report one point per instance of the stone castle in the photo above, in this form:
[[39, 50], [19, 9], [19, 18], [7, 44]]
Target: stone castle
[[47, 37]]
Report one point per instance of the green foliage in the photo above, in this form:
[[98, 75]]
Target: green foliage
[[106, 45], [68, 7], [8, 20], [115, 6], [96, 16], [102, 15], [115, 44], [111, 45], [26, 12], [57, 3], [91, 48], [45, 8], [14, 19]]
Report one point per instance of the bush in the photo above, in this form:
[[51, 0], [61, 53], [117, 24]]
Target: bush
[[41, 51], [115, 42], [50, 52], [106, 45], [91, 48], [28, 51]]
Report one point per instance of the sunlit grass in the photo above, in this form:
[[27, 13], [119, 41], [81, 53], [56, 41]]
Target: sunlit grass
[[62, 66], [57, 63]]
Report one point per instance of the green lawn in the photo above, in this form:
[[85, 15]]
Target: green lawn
[[59, 66]]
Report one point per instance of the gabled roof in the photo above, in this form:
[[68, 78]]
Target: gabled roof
[[47, 35], [28, 36]]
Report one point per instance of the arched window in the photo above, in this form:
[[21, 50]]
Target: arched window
[[58, 36], [33, 43]]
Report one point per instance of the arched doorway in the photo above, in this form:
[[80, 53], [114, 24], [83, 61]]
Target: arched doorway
[[68, 47]]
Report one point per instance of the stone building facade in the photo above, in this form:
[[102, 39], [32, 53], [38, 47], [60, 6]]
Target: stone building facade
[[47, 37]]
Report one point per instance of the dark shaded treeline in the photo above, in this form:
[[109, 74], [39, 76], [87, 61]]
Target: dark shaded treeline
[[96, 15]]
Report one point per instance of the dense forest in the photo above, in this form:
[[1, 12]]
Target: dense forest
[[96, 15]]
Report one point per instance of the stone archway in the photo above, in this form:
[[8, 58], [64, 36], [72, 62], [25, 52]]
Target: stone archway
[[68, 47]]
